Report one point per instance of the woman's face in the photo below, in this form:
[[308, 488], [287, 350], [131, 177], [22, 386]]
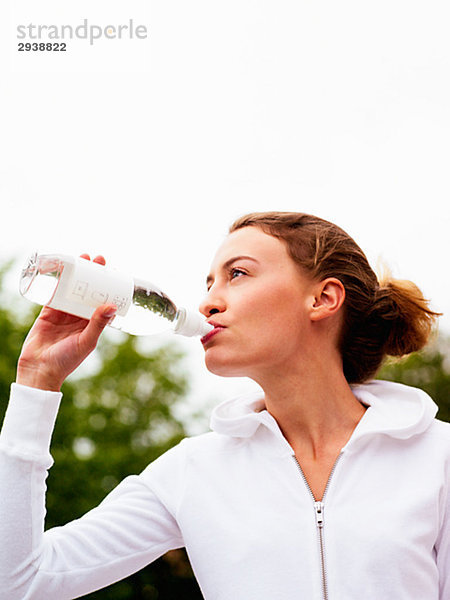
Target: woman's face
[[259, 301]]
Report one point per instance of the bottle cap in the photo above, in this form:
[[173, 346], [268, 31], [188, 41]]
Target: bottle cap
[[191, 323]]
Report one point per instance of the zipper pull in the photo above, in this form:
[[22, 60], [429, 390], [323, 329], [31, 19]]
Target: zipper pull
[[318, 507]]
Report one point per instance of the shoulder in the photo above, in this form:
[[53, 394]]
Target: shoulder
[[440, 430], [212, 442], [203, 447], [187, 463]]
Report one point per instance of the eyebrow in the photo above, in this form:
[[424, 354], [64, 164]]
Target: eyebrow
[[229, 262]]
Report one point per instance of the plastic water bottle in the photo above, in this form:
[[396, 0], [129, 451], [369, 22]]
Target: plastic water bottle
[[77, 286]]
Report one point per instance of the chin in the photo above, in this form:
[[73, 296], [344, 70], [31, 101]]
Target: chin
[[223, 368]]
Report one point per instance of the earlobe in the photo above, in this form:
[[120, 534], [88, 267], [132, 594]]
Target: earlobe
[[329, 298]]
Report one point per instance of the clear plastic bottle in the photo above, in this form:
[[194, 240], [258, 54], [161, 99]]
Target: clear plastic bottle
[[77, 286]]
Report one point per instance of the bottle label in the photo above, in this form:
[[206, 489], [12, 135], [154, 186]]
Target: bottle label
[[85, 285]]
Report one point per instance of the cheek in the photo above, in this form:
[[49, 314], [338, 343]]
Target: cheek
[[277, 308], [263, 299], [282, 323], [273, 330]]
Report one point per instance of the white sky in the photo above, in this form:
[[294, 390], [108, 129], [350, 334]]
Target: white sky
[[146, 150]]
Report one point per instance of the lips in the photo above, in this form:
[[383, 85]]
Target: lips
[[217, 328]]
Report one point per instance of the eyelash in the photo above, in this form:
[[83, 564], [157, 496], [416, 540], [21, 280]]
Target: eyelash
[[234, 270]]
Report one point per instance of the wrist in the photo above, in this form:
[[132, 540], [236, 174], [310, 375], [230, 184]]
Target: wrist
[[34, 378]]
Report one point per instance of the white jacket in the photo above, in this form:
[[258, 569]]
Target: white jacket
[[238, 502]]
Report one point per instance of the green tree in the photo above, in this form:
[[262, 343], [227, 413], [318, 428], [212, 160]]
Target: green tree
[[428, 370], [112, 423]]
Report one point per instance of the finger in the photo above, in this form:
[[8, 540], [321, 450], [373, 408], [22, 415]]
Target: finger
[[100, 260], [97, 323], [52, 315]]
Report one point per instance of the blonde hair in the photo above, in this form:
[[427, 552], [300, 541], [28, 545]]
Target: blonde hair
[[381, 318]]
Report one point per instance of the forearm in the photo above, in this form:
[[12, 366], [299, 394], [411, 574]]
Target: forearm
[[24, 461]]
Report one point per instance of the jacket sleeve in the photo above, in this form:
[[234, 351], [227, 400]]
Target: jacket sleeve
[[443, 542], [128, 530]]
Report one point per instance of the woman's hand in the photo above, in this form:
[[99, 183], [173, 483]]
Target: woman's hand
[[58, 343]]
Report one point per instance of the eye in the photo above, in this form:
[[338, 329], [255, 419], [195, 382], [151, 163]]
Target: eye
[[231, 273], [235, 272]]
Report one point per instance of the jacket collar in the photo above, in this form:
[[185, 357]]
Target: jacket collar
[[394, 409]]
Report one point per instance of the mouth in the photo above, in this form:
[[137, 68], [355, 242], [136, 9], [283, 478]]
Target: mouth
[[217, 329]]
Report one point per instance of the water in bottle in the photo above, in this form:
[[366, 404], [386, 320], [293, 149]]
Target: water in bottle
[[77, 286]]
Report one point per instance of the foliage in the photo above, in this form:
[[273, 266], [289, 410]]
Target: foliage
[[428, 370]]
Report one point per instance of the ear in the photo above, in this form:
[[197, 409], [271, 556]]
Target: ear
[[328, 298]]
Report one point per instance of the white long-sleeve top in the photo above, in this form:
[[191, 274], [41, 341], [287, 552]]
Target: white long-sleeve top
[[237, 500]]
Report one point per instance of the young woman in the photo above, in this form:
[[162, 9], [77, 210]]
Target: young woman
[[326, 485]]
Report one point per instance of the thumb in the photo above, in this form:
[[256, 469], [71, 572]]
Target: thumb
[[99, 320]]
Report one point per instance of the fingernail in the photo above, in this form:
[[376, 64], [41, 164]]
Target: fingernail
[[110, 312]]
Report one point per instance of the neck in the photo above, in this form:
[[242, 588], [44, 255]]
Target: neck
[[314, 407]]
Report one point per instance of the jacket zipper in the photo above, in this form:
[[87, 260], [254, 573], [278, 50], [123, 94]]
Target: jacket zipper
[[319, 514]]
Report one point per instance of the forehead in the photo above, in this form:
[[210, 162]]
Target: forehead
[[253, 242]]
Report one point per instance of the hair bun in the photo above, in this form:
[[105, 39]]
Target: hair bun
[[403, 312]]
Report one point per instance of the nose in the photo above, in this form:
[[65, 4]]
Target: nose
[[212, 303]]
